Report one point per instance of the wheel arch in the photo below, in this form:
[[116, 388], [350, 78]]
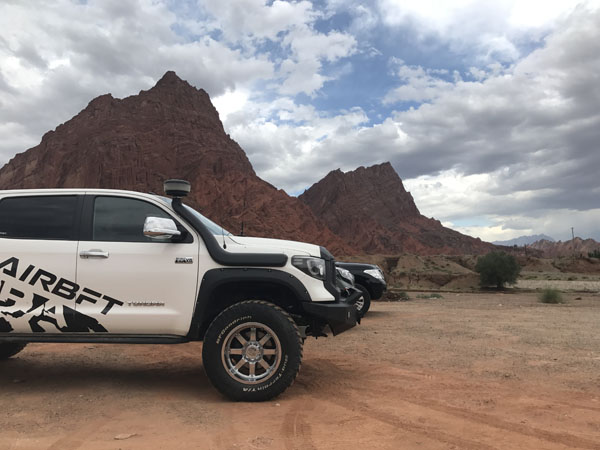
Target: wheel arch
[[365, 283], [221, 288]]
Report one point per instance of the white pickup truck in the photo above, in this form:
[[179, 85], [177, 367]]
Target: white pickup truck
[[109, 266]]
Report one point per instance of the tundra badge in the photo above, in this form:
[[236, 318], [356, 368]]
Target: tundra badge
[[184, 260]]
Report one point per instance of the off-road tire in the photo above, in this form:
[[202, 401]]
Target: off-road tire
[[8, 349], [366, 301], [227, 359]]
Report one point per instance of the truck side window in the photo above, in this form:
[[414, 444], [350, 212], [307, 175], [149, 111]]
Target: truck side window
[[40, 217], [119, 219]]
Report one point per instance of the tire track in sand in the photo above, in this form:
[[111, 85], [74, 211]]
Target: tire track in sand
[[297, 431], [447, 417]]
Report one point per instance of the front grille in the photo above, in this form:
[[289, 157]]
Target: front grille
[[330, 274]]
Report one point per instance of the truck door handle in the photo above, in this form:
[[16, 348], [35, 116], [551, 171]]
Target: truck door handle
[[94, 253]]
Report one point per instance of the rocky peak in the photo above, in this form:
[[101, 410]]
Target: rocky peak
[[370, 208], [366, 191], [101, 102], [170, 80]]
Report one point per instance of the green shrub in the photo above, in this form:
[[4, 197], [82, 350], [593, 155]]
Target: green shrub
[[594, 254], [497, 269], [402, 295], [550, 295], [430, 296], [393, 295]]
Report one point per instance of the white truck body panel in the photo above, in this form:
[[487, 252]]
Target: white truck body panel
[[138, 288], [21, 280]]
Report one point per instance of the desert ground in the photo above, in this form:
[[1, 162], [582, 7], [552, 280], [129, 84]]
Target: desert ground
[[465, 371]]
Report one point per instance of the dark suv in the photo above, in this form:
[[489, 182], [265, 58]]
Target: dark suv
[[369, 279]]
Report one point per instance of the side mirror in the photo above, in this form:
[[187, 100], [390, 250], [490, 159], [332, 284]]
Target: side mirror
[[160, 228]]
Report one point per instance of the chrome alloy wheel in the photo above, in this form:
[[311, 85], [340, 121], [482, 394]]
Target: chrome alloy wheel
[[251, 353], [360, 303]]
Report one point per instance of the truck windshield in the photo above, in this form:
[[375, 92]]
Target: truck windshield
[[212, 227]]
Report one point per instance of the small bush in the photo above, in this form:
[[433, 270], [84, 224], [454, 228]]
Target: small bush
[[550, 295], [429, 296], [497, 269], [403, 296], [594, 254], [395, 296]]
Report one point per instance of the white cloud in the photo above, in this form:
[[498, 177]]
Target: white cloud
[[290, 27], [230, 102], [302, 70], [306, 45], [537, 13], [494, 29], [479, 206], [257, 19], [418, 84]]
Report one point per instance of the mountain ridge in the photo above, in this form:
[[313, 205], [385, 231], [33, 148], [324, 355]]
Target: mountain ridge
[[572, 247], [524, 240], [173, 130]]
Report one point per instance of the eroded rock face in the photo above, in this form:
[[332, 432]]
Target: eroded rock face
[[169, 131], [384, 216]]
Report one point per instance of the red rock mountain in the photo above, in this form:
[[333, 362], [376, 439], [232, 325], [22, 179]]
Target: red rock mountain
[[169, 131], [384, 217]]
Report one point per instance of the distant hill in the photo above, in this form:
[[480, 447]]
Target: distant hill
[[577, 247], [524, 240]]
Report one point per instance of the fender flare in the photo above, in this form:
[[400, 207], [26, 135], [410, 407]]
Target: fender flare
[[216, 278]]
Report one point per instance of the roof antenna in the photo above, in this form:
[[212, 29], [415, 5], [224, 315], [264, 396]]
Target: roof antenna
[[223, 234], [244, 207]]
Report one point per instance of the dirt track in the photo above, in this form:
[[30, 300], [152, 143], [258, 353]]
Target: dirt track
[[467, 371]]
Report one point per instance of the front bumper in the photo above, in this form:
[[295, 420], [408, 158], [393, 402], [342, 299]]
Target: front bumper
[[377, 289], [339, 315]]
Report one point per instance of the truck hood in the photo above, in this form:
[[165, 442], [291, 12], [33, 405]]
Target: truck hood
[[264, 245]]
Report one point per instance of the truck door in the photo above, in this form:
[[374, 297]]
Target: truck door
[[38, 247], [131, 283]]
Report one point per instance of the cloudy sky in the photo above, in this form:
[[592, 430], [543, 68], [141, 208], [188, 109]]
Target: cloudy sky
[[488, 110]]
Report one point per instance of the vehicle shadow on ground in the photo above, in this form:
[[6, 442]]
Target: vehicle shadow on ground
[[52, 375], [374, 314], [69, 374]]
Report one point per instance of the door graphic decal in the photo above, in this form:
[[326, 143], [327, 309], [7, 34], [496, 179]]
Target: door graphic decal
[[42, 299]]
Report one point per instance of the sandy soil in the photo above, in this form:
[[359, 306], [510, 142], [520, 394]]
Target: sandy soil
[[468, 371], [562, 285]]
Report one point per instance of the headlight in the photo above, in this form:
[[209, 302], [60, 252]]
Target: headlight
[[375, 273], [315, 267], [345, 274]]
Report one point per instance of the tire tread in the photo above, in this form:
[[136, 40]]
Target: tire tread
[[233, 392]]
